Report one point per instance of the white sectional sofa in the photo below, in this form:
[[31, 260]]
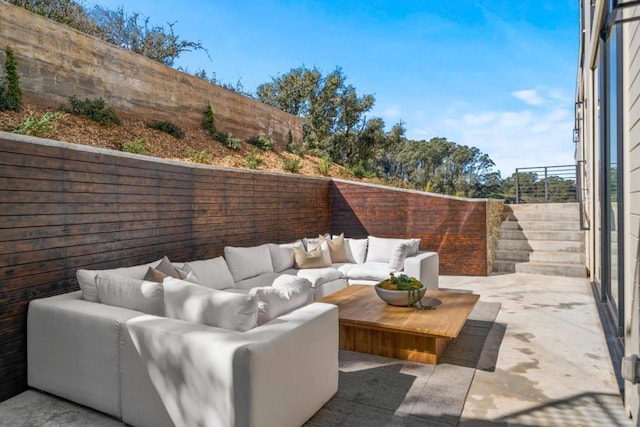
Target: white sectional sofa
[[233, 341]]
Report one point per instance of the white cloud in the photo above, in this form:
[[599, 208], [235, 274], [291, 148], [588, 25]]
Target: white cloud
[[529, 96], [391, 113], [513, 138]]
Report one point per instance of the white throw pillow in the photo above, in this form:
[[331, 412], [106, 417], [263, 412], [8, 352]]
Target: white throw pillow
[[198, 304], [212, 273], [248, 262], [87, 278], [274, 301], [381, 248], [134, 294], [356, 250], [282, 254], [400, 253]]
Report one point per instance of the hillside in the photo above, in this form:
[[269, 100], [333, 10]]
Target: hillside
[[196, 146]]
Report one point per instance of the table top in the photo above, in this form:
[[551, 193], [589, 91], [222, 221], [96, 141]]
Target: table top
[[359, 305]]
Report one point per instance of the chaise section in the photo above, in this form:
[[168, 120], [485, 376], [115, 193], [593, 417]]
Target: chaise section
[[73, 349], [181, 373]]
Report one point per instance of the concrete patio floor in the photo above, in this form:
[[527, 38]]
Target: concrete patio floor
[[552, 365]]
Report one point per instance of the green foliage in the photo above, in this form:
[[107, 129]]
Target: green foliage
[[296, 149], [10, 93], [38, 126], [360, 171], [324, 167], [167, 127], [291, 165], [203, 156], [137, 146], [404, 282], [94, 109], [229, 140], [253, 161], [262, 142], [209, 121]]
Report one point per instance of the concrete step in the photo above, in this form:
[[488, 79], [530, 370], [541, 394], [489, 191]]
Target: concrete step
[[542, 216], [552, 269], [563, 235], [549, 225], [542, 207], [513, 255], [548, 268], [558, 257], [540, 245]]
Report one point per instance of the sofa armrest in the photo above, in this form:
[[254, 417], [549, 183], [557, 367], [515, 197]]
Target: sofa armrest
[[425, 267], [73, 349], [182, 373]]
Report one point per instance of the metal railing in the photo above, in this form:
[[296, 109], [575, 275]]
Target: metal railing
[[546, 184]]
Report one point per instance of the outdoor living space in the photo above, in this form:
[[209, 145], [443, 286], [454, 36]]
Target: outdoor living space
[[542, 361]]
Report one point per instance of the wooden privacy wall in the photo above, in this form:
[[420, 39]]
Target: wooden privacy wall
[[64, 207], [55, 62], [455, 228]]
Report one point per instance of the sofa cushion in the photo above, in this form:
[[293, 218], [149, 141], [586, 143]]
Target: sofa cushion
[[265, 279], [134, 294], [248, 262], [380, 249], [310, 243], [316, 258], [87, 278], [336, 247], [356, 250], [377, 271], [199, 304], [274, 301], [282, 254], [317, 276], [212, 273]]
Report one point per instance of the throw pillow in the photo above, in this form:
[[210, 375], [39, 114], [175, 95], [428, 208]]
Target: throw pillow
[[154, 275], [313, 259], [248, 262], [356, 250], [336, 247], [87, 278], [381, 248], [400, 253], [282, 255], [198, 304], [310, 243], [134, 294], [276, 301], [212, 273]]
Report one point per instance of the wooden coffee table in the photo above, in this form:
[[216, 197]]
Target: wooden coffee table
[[369, 325]]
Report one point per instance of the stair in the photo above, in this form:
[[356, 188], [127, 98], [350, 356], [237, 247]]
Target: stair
[[542, 238]]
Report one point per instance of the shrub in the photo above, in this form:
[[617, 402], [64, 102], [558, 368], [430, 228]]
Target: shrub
[[11, 95], [360, 171], [94, 109], [137, 146], [229, 141], [203, 156], [263, 142], [209, 122], [167, 127], [38, 126], [324, 167], [291, 165], [253, 161]]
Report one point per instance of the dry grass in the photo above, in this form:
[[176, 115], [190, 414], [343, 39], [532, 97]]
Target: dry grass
[[196, 144]]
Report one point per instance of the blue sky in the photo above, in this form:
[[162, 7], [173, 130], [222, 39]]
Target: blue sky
[[495, 74]]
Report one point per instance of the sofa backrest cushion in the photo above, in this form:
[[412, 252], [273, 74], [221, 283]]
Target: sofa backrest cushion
[[194, 303], [282, 255], [282, 298], [134, 294], [248, 262], [380, 249], [87, 278], [400, 253], [356, 250], [212, 273]]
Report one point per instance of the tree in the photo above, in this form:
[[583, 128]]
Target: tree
[[10, 92], [67, 12], [134, 33]]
